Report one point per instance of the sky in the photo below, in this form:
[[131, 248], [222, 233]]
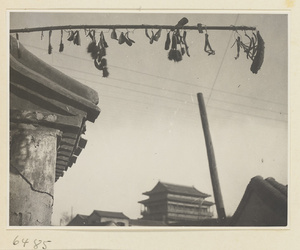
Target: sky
[[149, 128]]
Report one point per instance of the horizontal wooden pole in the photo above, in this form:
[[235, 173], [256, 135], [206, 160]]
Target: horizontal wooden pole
[[121, 26]]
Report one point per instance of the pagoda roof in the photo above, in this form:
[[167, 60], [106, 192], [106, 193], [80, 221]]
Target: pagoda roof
[[176, 199], [163, 187]]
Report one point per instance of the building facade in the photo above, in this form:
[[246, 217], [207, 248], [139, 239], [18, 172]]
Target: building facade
[[100, 218], [48, 115], [175, 203]]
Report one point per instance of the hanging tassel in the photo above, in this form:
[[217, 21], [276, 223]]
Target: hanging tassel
[[92, 47], [103, 62], [238, 46], [178, 56], [103, 42], [113, 35], [76, 39], [185, 44], [122, 38], [178, 37], [157, 35], [91, 34], [18, 45], [207, 47], [104, 66], [128, 40], [61, 45], [174, 54], [97, 65], [250, 49], [182, 50], [71, 36], [147, 34], [168, 42], [105, 72], [102, 52], [259, 56], [50, 46], [152, 37]]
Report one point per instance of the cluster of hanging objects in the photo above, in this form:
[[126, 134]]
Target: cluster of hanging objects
[[254, 49], [175, 42]]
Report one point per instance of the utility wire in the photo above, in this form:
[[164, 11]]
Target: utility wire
[[223, 109], [164, 78], [164, 89], [221, 64], [181, 101]]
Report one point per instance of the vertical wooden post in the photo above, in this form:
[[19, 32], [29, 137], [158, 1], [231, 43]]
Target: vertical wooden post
[[211, 159]]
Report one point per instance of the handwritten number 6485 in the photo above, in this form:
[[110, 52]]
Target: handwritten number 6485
[[36, 242]]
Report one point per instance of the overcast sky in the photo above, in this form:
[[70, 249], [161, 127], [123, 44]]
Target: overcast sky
[[149, 128]]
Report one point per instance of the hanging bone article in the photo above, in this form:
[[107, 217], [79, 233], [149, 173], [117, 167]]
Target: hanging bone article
[[50, 46], [61, 45], [207, 47], [254, 50], [259, 56], [98, 52], [175, 42]]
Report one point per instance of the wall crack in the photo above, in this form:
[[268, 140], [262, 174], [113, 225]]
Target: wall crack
[[31, 186]]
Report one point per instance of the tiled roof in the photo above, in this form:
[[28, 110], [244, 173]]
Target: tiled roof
[[40, 94], [162, 187], [272, 195], [78, 220], [82, 216], [110, 214], [39, 67]]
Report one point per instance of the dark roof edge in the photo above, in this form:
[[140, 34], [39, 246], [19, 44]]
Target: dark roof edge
[[271, 196], [71, 98], [111, 213], [31, 61], [281, 188]]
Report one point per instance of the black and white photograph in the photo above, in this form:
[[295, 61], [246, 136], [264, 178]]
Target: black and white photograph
[[148, 120]]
